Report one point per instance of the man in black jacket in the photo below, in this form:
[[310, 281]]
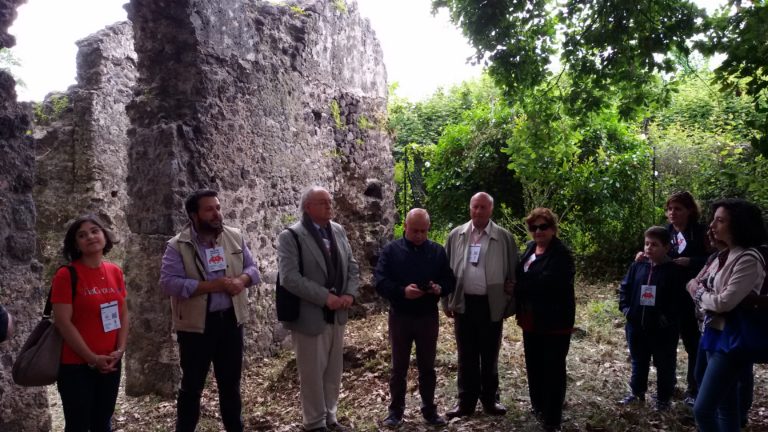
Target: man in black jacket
[[413, 273]]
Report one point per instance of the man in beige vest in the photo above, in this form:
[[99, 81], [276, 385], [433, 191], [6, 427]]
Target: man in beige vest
[[483, 257], [321, 270], [205, 270]]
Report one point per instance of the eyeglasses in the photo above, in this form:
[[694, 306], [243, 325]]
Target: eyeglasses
[[539, 227]]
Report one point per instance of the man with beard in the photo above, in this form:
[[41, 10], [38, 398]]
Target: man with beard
[[205, 270]]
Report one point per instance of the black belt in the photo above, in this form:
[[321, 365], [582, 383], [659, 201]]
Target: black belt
[[221, 314]]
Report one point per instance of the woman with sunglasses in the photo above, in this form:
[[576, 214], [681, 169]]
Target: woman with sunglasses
[[546, 309]]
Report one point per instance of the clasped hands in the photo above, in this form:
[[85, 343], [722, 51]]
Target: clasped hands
[[232, 286], [106, 363], [335, 302]]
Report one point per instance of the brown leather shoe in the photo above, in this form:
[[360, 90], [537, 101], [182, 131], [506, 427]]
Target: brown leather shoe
[[458, 411], [495, 409]]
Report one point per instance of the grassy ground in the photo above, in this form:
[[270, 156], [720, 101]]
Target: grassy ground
[[598, 372]]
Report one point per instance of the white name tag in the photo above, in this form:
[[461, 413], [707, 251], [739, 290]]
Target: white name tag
[[647, 295], [681, 244], [474, 253], [110, 316], [215, 259]]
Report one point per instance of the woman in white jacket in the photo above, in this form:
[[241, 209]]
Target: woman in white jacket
[[719, 289]]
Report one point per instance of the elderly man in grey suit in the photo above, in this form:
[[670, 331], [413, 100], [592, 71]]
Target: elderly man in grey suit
[[483, 257], [326, 286]]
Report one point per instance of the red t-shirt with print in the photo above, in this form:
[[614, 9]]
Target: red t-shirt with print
[[95, 287]]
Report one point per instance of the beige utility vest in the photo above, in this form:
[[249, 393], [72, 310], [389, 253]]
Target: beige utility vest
[[189, 314]]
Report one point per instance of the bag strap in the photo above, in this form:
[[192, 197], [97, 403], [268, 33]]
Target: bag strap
[[72, 280], [298, 246]]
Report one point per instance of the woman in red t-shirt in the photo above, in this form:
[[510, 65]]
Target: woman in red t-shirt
[[94, 324]]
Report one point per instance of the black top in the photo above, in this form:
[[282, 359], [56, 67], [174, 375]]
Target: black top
[[669, 280], [696, 247], [545, 296], [402, 263]]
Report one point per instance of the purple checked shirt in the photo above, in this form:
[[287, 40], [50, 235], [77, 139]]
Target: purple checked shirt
[[174, 281]]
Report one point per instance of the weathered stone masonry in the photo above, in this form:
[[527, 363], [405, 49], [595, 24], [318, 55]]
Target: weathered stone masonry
[[252, 99], [21, 409], [256, 101], [81, 144]]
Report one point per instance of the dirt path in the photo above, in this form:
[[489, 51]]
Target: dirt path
[[598, 372]]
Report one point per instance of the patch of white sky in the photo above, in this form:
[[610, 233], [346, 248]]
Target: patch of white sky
[[422, 51]]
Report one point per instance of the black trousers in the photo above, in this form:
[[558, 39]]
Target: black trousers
[[87, 397], [545, 363], [689, 333], [222, 345], [404, 332], [478, 340]]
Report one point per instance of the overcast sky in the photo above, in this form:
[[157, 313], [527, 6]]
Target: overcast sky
[[421, 52]]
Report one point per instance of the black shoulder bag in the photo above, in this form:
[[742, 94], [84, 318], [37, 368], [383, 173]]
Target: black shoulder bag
[[38, 361], [287, 303]]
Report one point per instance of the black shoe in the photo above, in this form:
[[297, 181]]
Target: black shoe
[[458, 411], [434, 420], [338, 427], [392, 421], [495, 409], [663, 405], [632, 400], [320, 429]]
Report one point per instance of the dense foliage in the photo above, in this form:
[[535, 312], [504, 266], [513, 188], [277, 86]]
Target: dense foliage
[[595, 170], [614, 50]]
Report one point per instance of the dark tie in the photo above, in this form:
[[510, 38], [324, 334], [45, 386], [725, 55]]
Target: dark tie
[[325, 236]]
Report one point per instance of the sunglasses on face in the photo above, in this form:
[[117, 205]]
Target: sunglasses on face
[[539, 227]]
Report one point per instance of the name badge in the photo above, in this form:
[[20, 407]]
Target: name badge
[[110, 316], [681, 244], [474, 253], [215, 259], [647, 295]]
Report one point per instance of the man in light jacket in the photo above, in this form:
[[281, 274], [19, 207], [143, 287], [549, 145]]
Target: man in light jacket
[[326, 283], [483, 257]]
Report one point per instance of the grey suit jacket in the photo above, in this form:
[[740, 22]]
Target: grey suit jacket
[[310, 287]]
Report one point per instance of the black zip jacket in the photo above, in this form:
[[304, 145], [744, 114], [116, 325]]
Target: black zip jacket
[[669, 280]]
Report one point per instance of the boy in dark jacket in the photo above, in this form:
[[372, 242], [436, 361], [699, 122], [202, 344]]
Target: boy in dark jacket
[[650, 297]]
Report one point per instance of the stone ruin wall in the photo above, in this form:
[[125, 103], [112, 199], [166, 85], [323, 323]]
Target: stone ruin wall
[[256, 101], [81, 144], [24, 409], [284, 98]]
